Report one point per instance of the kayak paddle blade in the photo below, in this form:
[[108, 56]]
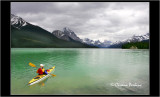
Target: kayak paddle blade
[[53, 75], [32, 65]]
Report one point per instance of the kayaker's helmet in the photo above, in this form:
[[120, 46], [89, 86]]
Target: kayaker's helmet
[[41, 65]]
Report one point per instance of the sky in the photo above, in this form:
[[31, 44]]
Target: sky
[[111, 21]]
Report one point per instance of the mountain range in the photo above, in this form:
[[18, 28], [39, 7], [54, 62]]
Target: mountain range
[[133, 39], [97, 43], [27, 35], [24, 34], [69, 35]]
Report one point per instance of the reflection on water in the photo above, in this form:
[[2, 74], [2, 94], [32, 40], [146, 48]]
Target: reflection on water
[[81, 71], [41, 83]]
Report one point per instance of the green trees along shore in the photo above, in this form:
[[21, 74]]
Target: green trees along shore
[[136, 45]]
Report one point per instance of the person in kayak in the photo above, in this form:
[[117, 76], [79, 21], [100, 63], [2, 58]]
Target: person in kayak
[[41, 70]]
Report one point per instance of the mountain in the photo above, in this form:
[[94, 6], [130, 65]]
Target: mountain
[[133, 39], [106, 43], [66, 34], [88, 41], [69, 35], [97, 43], [59, 34], [26, 35], [17, 22]]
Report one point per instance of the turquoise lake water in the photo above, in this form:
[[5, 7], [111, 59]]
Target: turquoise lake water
[[81, 71]]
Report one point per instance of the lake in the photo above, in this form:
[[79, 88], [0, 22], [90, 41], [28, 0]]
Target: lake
[[81, 71]]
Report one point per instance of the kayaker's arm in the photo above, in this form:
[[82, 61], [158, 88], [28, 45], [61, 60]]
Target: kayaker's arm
[[37, 71]]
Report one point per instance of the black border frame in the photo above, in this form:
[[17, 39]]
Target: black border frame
[[154, 49]]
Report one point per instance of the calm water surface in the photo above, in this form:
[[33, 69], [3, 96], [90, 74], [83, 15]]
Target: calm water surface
[[81, 71]]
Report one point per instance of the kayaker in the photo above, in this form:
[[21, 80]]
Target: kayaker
[[41, 70]]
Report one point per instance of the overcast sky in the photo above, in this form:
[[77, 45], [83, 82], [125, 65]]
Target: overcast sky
[[112, 21]]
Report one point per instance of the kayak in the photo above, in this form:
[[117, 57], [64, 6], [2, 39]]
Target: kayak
[[39, 78]]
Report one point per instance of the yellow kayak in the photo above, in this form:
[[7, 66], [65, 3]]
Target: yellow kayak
[[39, 78]]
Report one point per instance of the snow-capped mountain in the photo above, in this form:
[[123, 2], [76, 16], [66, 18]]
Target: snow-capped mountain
[[96, 43], [66, 34], [17, 22], [71, 34], [88, 41], [61, 35], [134, 38], [106, 43]]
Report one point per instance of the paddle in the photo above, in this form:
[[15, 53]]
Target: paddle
[[32, 65], [53, 75]]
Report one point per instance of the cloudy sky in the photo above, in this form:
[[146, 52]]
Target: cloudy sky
[[112, 21]]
